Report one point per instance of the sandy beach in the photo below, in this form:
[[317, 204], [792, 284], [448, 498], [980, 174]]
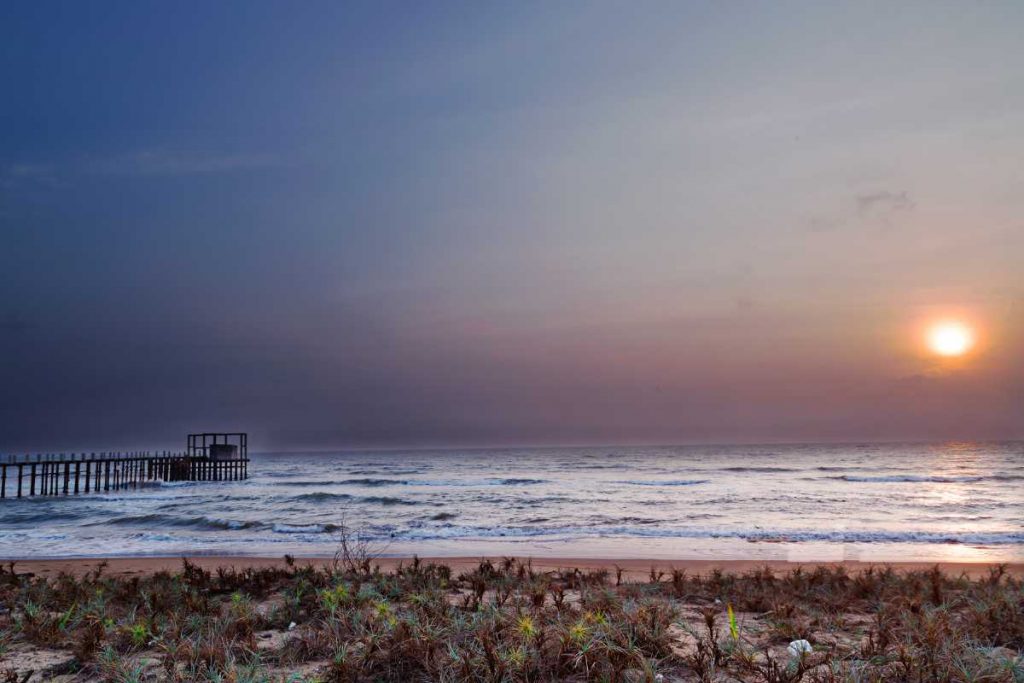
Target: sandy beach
[[633, 568]]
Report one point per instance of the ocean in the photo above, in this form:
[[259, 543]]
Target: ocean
[[871, 502]]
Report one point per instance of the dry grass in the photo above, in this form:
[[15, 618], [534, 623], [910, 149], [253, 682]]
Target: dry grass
[[505, 621]]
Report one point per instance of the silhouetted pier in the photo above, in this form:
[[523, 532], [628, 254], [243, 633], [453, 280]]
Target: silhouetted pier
[[209, 458]]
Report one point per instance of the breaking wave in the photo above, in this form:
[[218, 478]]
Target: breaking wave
[[928, 479], [157, 520], [321, 496], [673, 482]]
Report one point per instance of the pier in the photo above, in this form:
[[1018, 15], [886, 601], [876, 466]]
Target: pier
[[209, 458]]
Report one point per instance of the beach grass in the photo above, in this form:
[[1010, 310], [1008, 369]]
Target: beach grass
[[505, 621]]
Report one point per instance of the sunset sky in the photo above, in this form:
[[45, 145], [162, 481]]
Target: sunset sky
[[425, 224]]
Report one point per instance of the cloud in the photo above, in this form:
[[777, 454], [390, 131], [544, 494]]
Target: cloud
[[177, 162], [15, 176], [161, 162], [883, 203], [875, 208], [745, 303]]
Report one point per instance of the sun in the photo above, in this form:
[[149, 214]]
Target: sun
[[950, 338]]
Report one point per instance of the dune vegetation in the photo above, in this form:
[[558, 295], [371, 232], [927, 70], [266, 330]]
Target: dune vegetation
[[504, 621]]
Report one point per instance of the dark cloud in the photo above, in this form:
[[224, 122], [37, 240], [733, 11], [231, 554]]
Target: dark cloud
[[875, 208], [884, 203]]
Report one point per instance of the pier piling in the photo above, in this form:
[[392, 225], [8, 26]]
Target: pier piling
[[79, 474]]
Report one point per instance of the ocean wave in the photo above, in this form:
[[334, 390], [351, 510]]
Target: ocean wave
[[958, 519], [452, 532], [757, 469], [321, 496], [576, 467], [672, 482], [342, 482], [854, 468], [155, 520], [48, 515], [602, 520], [454, 483], [921, 479], [326, 497], [184, 484], [304, 528], [469, 483], [387, 500]]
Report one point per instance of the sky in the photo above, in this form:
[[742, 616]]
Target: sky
[[437, 224]]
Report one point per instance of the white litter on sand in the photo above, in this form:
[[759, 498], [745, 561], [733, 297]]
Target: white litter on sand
[[799, 647]]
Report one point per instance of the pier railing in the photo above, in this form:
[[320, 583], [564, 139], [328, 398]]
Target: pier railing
[[69, 474]]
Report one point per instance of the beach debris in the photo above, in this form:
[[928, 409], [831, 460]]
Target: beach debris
[[272, 640], [798, 648], [292, 626]]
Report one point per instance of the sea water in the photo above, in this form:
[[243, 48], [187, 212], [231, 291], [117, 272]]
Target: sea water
[[874, 502]]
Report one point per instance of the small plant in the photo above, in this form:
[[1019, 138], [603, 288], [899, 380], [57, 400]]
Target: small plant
[[356, 551], [332, 599], [65, 618], [139, 634], [734, 629], [527, 627]]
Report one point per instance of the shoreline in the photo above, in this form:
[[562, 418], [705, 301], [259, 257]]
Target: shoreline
[[632, 567]]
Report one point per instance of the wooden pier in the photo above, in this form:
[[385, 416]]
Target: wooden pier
[[70, 474]]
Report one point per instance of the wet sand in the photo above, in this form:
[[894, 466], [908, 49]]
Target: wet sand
[[633, 568]]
